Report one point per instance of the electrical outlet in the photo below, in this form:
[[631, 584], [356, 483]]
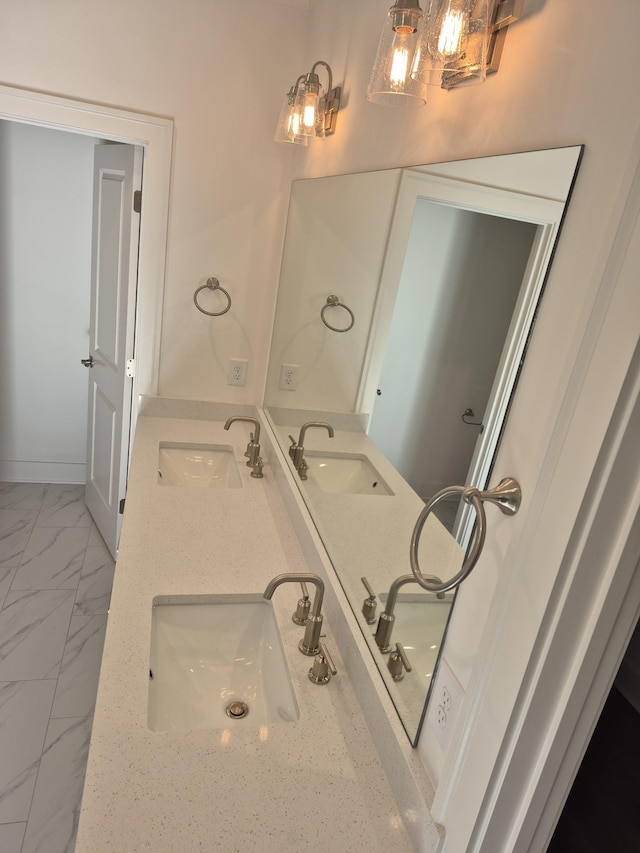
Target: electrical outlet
[[288, 377], [237, 371], [444, 705]]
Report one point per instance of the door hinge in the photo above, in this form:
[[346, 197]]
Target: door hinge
[[137, 201], [121, 506], [130, 368]]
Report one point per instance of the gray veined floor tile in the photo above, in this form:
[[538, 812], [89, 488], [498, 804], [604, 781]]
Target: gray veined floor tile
[[22, 495], [96, 577], [6, 576], [15, 528], [78, 680], [11, 835], [64, 506], [24, 714], [53, 820], [33, 630], [52, 559]]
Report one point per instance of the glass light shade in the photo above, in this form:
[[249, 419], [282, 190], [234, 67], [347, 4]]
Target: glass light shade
[[289, 124], [447, 30], [391, 83], [453, 43], [309, 105]]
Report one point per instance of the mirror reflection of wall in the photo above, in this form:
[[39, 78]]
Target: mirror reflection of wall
[[443, 267], [458, 288], [337, 232]]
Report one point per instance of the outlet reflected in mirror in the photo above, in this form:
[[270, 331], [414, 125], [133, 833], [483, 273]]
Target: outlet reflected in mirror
[[443, 267]]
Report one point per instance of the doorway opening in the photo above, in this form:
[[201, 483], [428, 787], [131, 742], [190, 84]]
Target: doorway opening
[[86, 123]]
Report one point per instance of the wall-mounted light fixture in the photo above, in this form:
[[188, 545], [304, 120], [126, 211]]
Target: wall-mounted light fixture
[[309, 111], [289, 127], [452, 42]]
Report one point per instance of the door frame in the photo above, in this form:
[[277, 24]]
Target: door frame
[[155, 135], [544, 212]]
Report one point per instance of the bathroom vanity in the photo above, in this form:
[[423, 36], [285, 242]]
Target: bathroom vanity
[[342, 776]]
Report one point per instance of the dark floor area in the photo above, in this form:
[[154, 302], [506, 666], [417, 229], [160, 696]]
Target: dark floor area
[[602, 814]]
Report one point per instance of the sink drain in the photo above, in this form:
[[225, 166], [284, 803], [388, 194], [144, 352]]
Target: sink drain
[[237, 709]]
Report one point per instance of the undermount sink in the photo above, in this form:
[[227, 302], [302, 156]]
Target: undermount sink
[[217, 663], [344, 473], [210, 466]]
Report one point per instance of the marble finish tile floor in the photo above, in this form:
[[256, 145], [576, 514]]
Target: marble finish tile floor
[[55, 584]]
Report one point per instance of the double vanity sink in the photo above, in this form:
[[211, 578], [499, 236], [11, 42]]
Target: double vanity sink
[[175, 762], [214, 467]]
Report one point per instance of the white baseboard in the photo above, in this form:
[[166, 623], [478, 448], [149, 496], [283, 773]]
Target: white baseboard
[[20, 471]]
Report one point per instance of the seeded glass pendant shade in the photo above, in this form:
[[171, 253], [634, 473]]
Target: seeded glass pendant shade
[[289, 127], [308, 103], [453, 43], [391, 83]]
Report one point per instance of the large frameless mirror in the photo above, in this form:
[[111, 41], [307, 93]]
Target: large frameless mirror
[[406, 300]]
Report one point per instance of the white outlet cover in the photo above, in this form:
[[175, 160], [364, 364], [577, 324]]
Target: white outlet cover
[[237, 371], [445, 703], [288, 377]]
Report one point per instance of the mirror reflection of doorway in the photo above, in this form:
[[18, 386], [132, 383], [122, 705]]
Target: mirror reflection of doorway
[[459, 286]]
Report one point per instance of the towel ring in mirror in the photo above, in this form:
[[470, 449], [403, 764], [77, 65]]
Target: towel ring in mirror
[[334, 302], [212, 284], [506, 495]]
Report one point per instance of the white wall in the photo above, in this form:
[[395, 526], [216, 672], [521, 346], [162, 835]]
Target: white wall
[[45, 266], [337, 230], [220, 72]]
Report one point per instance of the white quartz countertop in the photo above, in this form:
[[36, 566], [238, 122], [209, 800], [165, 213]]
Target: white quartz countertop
[[311, 785]]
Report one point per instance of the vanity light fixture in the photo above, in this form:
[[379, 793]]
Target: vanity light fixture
[[289, 124], [452, 42], [309, 110], [392, 83]]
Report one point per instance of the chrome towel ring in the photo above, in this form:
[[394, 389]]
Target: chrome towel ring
[[212, 284], [334, 302], [506, 495]]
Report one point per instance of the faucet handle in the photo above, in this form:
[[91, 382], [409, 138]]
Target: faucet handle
[[323, 667], [301, 616], [398, 662], [257, 466], [369, 605]]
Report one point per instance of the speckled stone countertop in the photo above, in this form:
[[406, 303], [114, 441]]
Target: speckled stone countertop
[[369, 535], [311, 785]]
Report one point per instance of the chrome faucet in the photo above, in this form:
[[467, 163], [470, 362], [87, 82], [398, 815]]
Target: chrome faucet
[[296, 451], [253, 448], [310, 643], [387, 617]]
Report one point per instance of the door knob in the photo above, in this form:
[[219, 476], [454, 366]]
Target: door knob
[[88, 362]]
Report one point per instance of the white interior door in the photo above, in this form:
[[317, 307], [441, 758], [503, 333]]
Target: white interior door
[[114, 261]]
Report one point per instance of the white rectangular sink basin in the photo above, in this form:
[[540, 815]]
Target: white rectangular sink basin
[[344, 473], [209, 656], [210, 466]]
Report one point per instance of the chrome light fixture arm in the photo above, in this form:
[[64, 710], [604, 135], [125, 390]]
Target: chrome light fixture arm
[[506, 496]]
